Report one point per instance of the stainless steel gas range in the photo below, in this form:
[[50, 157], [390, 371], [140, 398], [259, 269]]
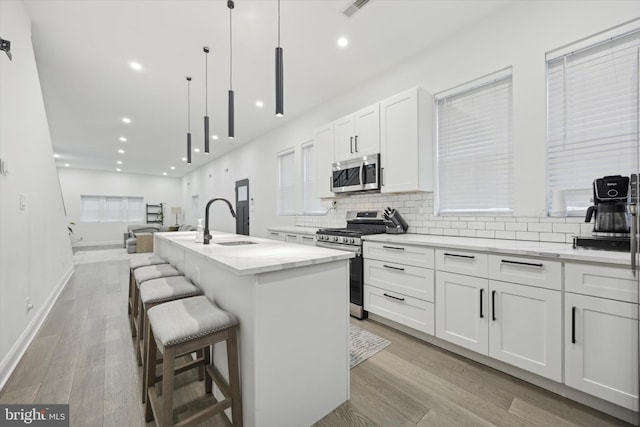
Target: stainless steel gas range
[[350, 239]]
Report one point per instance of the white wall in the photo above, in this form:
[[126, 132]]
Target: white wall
[[154, 190], [35, 252], [517, 36]]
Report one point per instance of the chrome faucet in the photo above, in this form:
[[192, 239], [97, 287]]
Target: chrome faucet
[[207, 236]]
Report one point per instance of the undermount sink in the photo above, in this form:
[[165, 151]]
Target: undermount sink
[[236, 243]]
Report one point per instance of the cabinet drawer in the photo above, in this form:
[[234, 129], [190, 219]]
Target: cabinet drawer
[[412, 312], [406, 279], [526, 271], [461, 262], [418, 256], [276, 235], [291, 238], [308, 240], [606, 282]]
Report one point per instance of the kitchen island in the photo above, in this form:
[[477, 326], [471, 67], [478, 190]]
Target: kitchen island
[[292, 303]]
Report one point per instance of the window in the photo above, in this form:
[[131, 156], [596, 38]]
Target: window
[[111, 209], [592, 116], [286, 183], [475, 150], [311, 204]]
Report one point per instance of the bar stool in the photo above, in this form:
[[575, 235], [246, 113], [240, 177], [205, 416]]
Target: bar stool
[[184, 326], [141, 275], [137, 262]]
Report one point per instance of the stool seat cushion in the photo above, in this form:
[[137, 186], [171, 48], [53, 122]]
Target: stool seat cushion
[[186, 319], [166, 289], [149, 272], [144, 261]]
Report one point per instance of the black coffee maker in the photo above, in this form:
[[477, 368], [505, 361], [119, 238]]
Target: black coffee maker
[[611, 197]]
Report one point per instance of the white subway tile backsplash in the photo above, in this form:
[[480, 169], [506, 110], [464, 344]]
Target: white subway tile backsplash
[[516, 226], [476, 225], [527, 219], [458, 224], [436, 231], [467, 233], [552, 237], [586, 228], [495, 226], [487, 234], [527, 235], [566, 228], [451, 232], [540, 227], [510, 235]]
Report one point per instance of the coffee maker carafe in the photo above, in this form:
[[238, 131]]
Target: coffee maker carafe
[[610, 197]]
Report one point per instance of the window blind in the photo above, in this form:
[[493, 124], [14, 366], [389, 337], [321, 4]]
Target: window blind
[[89, 208], [592, 117], [113, 209], [311, 202], [286, 183], [475, 150], [135, 209]]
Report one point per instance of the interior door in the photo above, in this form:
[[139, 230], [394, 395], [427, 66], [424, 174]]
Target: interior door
[[242, 207]]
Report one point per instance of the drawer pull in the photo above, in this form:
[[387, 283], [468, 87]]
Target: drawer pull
[[307, 237], [481, 298], [528, 264], [291, 235], [573, 325], [391, 296], [392, 247], [392, 267], [493, 305], [460, 256]]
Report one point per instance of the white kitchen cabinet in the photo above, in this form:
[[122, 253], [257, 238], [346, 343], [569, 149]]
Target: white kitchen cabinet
[[405, 279], [357, 134], [462, 310], [601, 348], [276, 235], [307, 239], [323, 148], [291, 238], [525, 328], [418, 256], [412, 312], [406, 142]]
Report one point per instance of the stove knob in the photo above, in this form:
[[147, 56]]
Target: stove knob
[[336, 238], [352, 240]]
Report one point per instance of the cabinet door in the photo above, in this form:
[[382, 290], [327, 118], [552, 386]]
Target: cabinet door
[[323, 148], [601, 348], [291, 238], [343, 145], [307, 240], [525, 325], [276, 235], [462, 312], [367, 131]]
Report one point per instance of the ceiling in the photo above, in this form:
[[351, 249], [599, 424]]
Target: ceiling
[[84, 49]]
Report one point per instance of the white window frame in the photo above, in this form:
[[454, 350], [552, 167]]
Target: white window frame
[[311, 205], [457, 187], [570, 169], [286, 183]]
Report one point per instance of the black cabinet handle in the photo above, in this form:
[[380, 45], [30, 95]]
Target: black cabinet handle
[[391, 296], [382, 177], [573, 325], [493, 305], [528, 264], [351, 144], [356, 143], [481, 298], [460, 256], [392, 247], [392, 267]]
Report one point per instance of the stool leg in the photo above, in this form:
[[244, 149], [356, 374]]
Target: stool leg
[[201, 354], [139, 329], [145, 361], [168, 369], [207, 378], [149, 374], [130, 290], [234, 377]]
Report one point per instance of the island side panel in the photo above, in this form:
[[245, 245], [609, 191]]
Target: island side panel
[[302, 343]]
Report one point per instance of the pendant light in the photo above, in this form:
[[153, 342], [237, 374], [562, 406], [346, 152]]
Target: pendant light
[[206, 100], [188, 119], [279, 74], [230, 5]]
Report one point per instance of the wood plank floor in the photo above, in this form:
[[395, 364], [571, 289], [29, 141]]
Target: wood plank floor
[[83, 355]]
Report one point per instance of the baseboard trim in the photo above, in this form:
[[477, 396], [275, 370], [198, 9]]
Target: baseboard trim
[[105, 243], [10, 362]]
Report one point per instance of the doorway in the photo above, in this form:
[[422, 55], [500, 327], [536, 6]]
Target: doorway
[[242, 207]]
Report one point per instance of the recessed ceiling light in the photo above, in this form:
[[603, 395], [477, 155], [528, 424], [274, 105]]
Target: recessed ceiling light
[[214, 136], [66, 165], [259, 104], [119, 162], [164, 173], [121, 151], [343, 42], [123, 139], [118, 170], [184, 159], [173, 167], [197, 150], [126, 119], [136, 66], [56, 156]]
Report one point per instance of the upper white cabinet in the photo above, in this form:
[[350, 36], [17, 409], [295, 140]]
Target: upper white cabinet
[[323, 146], [357, 134], [406, 142]]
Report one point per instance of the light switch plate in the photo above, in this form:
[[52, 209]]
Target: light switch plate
[[4, 168]]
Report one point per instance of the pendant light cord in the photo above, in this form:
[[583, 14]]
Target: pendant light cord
[[278, 23], [206, 83], [189, 104], [230, 52]]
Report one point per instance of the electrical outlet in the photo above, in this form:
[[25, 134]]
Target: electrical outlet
[[29, 304]]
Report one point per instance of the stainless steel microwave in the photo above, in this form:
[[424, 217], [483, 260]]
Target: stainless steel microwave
[[354, 175]]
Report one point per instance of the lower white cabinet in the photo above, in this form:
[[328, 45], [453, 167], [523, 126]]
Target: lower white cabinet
[[291, 238], [276, 235], [412, 312], [306, 239], [601, 348], [517, 324]]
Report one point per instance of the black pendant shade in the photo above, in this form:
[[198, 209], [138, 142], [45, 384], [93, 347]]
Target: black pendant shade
[[232, 132], [231, 107], [279, 74], [189, 120], [206, 100]]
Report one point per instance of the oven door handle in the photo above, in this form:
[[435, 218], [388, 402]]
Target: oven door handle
[[355, 249]]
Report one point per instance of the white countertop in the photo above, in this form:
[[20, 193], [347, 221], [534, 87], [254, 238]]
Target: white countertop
[[263, 256], [294, 229], [562, 251]]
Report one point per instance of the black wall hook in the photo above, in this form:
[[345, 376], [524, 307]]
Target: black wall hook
[[5, 46]]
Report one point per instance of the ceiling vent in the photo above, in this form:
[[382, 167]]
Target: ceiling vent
[[354, 7]]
